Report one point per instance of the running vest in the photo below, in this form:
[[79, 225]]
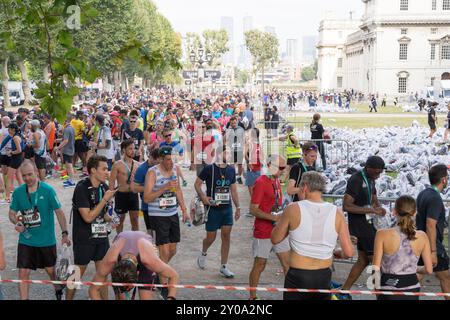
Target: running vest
[[131, 239], [293, 151], [42, 144], [167, 204], [316, 235]]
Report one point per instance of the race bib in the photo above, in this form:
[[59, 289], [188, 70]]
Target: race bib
[[222, 194], [99, 230], [201, 156], [32, 218], [168, 199]]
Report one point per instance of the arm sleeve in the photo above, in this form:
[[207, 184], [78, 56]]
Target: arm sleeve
[[295, 171], [53, 200], [353, 187], [433, 209], [204, 173], [258, 194], [81, 198]]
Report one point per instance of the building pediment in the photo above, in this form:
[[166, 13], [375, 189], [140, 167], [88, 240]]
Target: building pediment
[[445, 39], [403, 74], [404, 39]]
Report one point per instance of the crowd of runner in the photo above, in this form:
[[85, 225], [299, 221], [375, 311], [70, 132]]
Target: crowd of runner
[[128, 153]]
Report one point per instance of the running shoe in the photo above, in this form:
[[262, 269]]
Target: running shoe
[[66, 177], [239, 180], [226, 272], [59, 294], [201, 261], [69, 184], [164, 292]]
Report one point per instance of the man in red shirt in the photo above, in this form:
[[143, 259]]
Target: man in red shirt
[[202, 146], [266, 207]]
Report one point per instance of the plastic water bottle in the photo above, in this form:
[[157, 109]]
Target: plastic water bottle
[[25, 233], [173, 178], [115, 219]]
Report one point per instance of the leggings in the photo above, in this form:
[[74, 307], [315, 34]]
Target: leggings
[[307, 279]]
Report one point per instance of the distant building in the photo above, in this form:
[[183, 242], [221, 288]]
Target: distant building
[[309, 53], [270, 30], [245, 58], [397, 48], [292, 51], [227, 23]]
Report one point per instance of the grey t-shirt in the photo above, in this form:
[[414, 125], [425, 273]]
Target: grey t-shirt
[[69, 134]]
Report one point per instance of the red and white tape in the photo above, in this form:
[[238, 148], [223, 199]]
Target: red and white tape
[[231, 288]]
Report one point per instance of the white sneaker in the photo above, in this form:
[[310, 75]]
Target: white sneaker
[[226, 272], [201, 261]]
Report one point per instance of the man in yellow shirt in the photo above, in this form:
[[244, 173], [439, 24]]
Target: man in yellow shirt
[[81, 147]]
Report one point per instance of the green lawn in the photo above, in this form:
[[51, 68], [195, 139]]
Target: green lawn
[[371, 121], [364, 108]]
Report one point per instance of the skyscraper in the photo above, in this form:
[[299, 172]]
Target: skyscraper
[[245, 58], [271, 30], [292, 51], [227, 23], [309, 48]]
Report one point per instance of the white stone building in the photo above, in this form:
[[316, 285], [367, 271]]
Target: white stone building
[[398, 47]]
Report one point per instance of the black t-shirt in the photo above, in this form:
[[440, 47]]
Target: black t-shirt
[[430, 205], [296, 173], [431, 114], [136, 135], [358, 190], [316, 131], [222, 181], [86, 196]]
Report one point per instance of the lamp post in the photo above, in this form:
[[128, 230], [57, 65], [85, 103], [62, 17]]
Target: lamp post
[[199, 58]]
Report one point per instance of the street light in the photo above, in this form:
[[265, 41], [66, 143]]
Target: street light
[[199, 58]]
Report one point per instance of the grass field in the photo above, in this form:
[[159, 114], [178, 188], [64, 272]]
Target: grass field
[[362, 122]]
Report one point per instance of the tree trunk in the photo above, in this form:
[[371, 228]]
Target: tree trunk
[[25, 82], [116, 81], [144, 80], [105, 83], [263, 80], [46, 74], [5, 87]]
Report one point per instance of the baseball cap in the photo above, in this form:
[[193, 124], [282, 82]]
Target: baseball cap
[[375, 162], [114, 114]]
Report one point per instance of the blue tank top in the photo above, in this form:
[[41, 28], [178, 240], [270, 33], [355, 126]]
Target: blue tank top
[[167, 204]]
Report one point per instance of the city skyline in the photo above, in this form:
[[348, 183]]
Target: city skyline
[[286, 16]]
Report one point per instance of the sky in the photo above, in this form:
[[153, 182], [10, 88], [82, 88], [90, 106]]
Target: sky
[[292, 19]]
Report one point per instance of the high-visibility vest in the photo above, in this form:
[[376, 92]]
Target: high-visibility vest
[[293, 151]]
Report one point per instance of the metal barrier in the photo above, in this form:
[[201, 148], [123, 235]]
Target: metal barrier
[[339, 149], [390, 201]]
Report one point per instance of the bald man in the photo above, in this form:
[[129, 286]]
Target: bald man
[[32, 212], [266, 208]]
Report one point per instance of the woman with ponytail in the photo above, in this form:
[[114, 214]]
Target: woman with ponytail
[[397, 252]]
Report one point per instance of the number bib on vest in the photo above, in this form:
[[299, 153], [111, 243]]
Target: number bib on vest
[[99, 228], [222, 194], [167, 200], [201, 156], [31, 218]]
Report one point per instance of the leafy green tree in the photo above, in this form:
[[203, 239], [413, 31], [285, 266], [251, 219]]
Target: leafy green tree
[[308, 73], [263, 47]]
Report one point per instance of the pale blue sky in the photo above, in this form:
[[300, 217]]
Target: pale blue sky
[[291, 18]]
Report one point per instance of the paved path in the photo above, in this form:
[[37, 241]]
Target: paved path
[[240, 261]]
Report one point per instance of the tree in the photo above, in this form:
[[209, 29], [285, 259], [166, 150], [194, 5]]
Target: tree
[[263, 47], [216, 43], [308, 73], [242, 76]]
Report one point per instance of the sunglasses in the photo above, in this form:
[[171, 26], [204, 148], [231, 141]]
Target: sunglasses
[[167, 136], [133, 121], [281, 168], [314, 148]]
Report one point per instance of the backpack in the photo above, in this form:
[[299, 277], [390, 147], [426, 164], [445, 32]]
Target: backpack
[[199, 213]]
